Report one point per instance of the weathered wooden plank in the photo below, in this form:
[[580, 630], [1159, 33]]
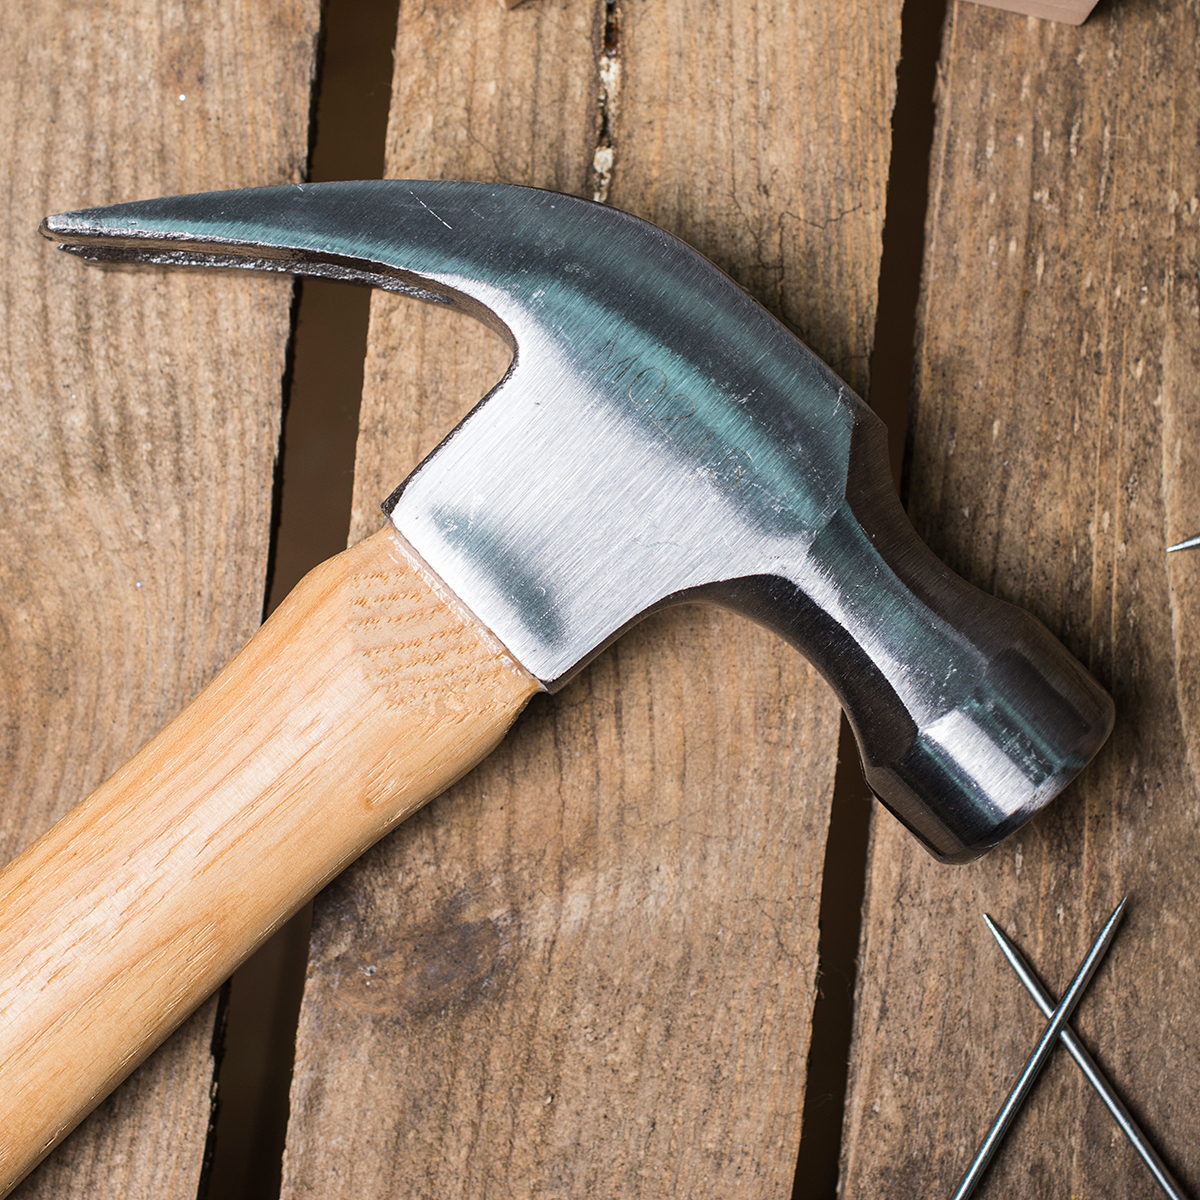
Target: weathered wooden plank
[[1054, 457], [589, 968], [135, 464]]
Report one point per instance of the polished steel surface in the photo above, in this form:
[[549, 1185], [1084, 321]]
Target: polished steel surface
[[659, 437]]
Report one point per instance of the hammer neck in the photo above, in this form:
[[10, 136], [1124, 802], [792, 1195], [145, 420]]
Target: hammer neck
[[969, 715]]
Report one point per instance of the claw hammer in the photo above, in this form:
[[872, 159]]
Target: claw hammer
[[658, 438]]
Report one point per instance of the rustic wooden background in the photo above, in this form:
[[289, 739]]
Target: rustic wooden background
[[590, 968], [139, 422]]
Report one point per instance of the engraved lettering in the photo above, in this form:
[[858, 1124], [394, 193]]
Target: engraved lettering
[[678, 408], [727, 474], [619, 368], [648, 385]]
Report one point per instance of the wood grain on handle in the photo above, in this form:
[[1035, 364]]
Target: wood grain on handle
[[367, 693]]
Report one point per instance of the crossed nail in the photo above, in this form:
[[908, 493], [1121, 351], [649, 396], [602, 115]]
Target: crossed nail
[[1058, 1030]]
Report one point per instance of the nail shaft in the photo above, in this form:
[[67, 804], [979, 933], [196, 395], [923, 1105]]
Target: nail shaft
[[1059, 1018], [1088, 1066], [1188, 545]]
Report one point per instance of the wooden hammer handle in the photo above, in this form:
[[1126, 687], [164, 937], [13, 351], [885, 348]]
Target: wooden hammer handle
[[367, 693]]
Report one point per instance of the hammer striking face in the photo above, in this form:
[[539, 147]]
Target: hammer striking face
[[658, 438]]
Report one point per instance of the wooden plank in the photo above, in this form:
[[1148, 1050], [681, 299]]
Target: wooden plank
[[135, 464], [589, 968], [1055, 455]]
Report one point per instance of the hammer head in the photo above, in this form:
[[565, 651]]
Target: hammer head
[[659, 438]]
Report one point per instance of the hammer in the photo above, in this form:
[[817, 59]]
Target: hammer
[[659, 438]]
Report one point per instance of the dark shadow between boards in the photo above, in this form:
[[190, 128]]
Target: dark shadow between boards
[[843, 883], [261, 1003]]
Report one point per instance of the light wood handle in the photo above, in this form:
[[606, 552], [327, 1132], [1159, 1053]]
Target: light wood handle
[[368, 692]]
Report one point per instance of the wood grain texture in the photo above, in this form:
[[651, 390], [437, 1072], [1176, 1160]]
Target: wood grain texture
[[588, 970], [368, 691], [1055, 456], [135, 466]]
